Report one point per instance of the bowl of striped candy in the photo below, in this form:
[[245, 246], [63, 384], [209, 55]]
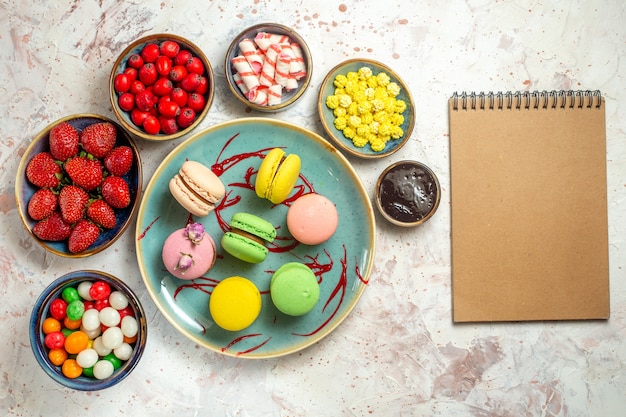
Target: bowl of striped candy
[[268, 67], [88, 330]]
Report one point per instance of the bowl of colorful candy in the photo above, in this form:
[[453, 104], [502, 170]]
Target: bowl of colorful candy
[[88, 330], [268, 67], [366, 108], [161, 87], [78, 185]]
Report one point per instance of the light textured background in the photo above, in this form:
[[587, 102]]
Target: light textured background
[[398, 353]]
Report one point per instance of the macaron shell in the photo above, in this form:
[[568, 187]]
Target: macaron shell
[[267, 170], [294, 289], [235, 303], [187, 199], [203, 255], [243, 248], [312, 219], [285, 179], [202, 181], [254, 225]]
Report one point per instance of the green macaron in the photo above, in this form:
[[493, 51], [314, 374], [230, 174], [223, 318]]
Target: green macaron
[[248, 236], [294, 289]]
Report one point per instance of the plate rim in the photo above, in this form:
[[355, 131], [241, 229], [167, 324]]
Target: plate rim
[[140, 230]]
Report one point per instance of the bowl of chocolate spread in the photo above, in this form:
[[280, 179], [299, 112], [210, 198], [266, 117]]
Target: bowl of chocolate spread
[[407, 193]]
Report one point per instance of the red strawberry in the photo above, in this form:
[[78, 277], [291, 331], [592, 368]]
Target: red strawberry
[[84, 172], [102, 214], [99, 138], [52, 228], [63, 141], [43, 171], [115, 191], [83, 235], [119, 160], [42, 204], [72, 202]]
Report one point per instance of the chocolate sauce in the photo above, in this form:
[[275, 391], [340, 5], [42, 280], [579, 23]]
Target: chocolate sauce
[[408, 192]]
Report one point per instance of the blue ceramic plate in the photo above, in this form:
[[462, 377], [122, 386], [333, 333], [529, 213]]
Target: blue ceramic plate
[[24, 190], [327, 117], [234, 151]]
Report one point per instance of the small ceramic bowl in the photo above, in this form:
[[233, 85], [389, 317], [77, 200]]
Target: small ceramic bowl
[[24, 190], [41, 311], [407, 193], [121, 64], [351, 68], [289, 85]]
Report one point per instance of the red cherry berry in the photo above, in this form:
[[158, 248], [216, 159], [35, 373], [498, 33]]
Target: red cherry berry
[[138, 116], [169, 48], [190, 82], [150, 52], [145, 100], [163, 65], [177, 73], [182, 57], [168, 108], [148, 73], [203, 87], [162, 87], [121, 83], [126, 101], [168, 125], [179, 96], [186, 117], [136, 86], [132, 73], [151, 125], [135, 61], [196, 102], [195, 65]]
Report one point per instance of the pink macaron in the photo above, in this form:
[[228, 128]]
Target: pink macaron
[[312, 219], [189, 253]]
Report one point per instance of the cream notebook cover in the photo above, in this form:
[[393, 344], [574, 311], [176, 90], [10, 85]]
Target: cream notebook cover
[[529, 206]]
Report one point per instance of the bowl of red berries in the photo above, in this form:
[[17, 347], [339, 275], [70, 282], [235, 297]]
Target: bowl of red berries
[[78, 185], [161, 87], [88, 330]]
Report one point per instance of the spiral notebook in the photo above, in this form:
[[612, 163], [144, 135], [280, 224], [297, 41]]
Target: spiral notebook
[[528, 206]]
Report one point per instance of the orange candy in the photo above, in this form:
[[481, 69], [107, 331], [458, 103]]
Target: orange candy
[[57, 356], [130, 340], [71, 369], [71, 324], [76, 342], [51, 325]]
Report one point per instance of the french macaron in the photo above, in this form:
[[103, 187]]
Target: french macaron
[[188, 253], [235, 303], [294, 289], [197, 188], [277, 175], [312, 219], [247, 237]]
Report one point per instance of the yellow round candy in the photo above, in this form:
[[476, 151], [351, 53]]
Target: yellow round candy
[[235, 303]]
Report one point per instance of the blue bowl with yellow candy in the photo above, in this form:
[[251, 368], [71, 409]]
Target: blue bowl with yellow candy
[[366, 108]]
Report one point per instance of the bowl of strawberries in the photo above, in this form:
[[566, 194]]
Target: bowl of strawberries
[[161, 87], [78, 185]]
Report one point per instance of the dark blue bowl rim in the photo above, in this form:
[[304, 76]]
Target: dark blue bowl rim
[[40, 311]]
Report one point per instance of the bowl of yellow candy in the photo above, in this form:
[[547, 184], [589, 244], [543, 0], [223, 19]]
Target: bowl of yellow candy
[[366, 108]]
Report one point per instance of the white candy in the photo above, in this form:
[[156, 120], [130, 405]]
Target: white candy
[[123, 352], [112, 338], [109, 316], [83, 290], [129, 326], [118, 300], [99, 346], [103, 369], [91, 319], [87, 358], [91, 334]]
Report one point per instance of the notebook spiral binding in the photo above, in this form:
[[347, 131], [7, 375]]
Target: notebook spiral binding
[[527, 100]]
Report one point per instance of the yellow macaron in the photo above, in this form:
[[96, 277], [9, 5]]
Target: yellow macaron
[[277, 175], [235, 303]]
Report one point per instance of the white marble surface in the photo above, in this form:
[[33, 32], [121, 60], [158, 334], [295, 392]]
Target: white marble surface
[[398, 353]]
